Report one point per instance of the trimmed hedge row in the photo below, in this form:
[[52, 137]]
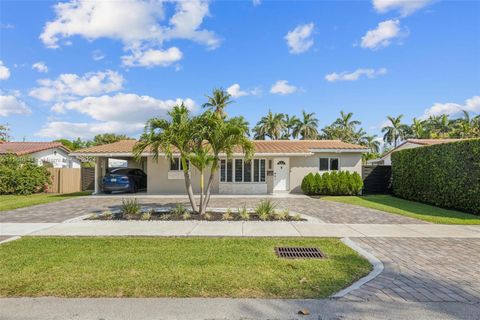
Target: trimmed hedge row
[[342, 183], [22, 175], [446, 175]]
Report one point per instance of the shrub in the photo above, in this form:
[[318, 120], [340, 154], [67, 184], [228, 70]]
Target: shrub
[[445, 175], [243, 213], [186, 215], [179, 210], [265, 209], [130, 206], [227, 215], [146, 216], [22, 175], [282, 215], [332, 183]]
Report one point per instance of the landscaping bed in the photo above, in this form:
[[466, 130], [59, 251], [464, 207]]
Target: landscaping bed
[[132, 210], [174, 267]]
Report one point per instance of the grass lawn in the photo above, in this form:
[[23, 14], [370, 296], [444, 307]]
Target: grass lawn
[[408, 208], [10, 202], [173, 267]]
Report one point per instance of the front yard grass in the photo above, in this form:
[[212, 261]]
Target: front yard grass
[[173, 267], [10, 202], [408, 208]]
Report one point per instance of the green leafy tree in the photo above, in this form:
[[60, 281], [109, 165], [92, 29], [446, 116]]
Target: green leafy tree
[[22, 175], [218, 101], [291, 123], [107, 138], [394, 131], [4, 133], [307, 127], [272, 125]]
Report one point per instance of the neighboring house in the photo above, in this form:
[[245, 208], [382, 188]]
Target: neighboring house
[[276, 167], [52, 154], [386, 159]]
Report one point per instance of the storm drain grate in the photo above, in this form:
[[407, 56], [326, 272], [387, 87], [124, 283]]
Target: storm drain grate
[[299, 253]]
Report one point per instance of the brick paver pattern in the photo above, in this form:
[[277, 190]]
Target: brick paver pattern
[[327, 211], [423, 270]]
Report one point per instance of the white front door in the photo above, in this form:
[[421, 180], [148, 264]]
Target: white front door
[[281, 173]]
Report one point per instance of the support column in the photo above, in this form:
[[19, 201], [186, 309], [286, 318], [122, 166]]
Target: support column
[[98, 175]]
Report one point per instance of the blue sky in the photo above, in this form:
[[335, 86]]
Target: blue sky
[[65, 75]]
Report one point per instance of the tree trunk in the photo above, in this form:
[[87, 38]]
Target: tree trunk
[[202, 209], [191, 197], [209, 186]]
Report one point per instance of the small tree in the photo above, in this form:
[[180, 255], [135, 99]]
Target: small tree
[[22, 175]]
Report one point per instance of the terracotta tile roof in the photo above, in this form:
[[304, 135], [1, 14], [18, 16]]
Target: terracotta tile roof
[[22, 148], [429, 142], [261, 146]]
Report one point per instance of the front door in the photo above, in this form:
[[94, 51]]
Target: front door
[[281, 172]]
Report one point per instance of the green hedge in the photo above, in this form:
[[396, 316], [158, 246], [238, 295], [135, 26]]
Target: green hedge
[[446, 175], [341, 183], [22, 175]]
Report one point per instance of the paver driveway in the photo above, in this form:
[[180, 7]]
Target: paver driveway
[[327, 211], [423, 270]]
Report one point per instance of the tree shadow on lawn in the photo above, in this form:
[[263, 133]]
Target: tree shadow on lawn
[[419, 208]]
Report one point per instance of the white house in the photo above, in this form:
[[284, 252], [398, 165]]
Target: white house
[[45, 153], [386, 159]]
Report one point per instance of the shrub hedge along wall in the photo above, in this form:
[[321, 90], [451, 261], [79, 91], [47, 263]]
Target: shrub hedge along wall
[[445, 175], [22, 175], [342, 183]]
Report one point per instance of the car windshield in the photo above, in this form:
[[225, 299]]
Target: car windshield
[[121, 171]]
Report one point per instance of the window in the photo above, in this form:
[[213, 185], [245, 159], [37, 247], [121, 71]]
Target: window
[[226, 170], [176, 164], [329, 164], [239, 170]]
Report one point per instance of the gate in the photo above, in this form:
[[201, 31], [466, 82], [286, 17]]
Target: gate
[[376, 179]]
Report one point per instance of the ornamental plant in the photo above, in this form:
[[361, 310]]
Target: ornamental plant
[[22, 175]]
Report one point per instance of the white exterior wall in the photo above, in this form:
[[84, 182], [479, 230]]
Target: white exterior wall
[[301, 166], [57, 157]]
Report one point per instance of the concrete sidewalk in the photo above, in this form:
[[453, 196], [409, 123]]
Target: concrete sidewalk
[[221, 308], [238, 229]]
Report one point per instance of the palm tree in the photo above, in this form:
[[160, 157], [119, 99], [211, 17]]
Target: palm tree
[[291, 122], [307, 127], [419, 130], [218, 101], [162, 135], [394, 131], [372, 143], [345, 121], [272, 125]]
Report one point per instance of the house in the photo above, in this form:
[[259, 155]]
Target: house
[[386, 159], [52, 154], [276, 167]]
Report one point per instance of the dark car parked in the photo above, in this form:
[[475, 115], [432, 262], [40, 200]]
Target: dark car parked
[[124, 179]]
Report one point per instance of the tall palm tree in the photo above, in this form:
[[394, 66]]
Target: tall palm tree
[[394, 131], [419, 130], [345, 121], [218, 101], [291, 122], [307, 127], [162, 135], [272, 125], [372, 143]]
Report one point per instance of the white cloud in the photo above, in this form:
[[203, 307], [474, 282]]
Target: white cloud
[[10, 104], [300, 39], [355, 75], [451, 108], [4, 71], [120, 113], [283, 87], [405, 7], [69, 86], [256, 2], [65, 129], [98, 55], [383, 35], [40, 67], [122, 107], [151, 58], [136, 23], [236, 92]]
